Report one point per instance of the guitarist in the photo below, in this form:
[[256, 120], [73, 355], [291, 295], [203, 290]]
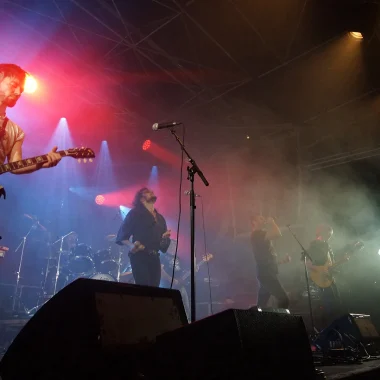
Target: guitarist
[[12, 79], [264, 231], [322, 254], [167, 262]]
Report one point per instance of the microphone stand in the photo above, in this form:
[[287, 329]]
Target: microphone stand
[[305, 256], [191, 171], [121, 213], [22, 245], [59, 261]]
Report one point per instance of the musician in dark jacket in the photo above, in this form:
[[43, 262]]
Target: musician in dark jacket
[[264, 231], [147, 229], [322, 255], [167, 263]]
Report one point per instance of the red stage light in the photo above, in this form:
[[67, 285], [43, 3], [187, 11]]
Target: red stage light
[[147, 144], [99, 200]]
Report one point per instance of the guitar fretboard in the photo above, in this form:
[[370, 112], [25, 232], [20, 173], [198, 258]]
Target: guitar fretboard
[[188, 273], [27, 162]]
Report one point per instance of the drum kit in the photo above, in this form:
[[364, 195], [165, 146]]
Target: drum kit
[[80, 261], [69, 260]]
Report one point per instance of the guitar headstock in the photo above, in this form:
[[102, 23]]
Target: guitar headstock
[[359, 245], [81, 153], [207, 257]]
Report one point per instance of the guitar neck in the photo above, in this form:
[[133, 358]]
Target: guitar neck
[[337, 263], [10, 166], [196, 269]]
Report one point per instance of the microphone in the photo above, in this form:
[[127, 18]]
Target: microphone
[[187, 192], [170, 124]]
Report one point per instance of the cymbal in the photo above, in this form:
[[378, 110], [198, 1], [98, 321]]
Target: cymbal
[[36, 221], [111, 238], [32, 217]]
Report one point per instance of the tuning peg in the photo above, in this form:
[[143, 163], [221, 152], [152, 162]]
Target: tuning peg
[[90, 160], [79, 161], [85, 160]]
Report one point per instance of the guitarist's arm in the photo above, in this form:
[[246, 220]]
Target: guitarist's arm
[[310, 265], [16, 155]]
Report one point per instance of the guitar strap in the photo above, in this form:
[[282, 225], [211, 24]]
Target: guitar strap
[[3, 126]]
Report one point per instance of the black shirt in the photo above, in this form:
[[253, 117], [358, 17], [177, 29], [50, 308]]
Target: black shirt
[[143, 227], [319, 251], [266, 259]]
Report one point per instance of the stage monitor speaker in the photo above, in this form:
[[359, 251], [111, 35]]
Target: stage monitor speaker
[[347, 330], [87, 324], [237, 344]]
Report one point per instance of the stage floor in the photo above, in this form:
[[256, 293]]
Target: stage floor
[[350, 371]]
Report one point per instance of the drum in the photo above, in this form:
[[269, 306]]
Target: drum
[[104, 263], [102, 255], [102, 276], [80, 263], [82, 250], [81, 266]]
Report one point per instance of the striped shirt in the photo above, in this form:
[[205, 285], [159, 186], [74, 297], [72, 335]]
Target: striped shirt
[[13, 133]]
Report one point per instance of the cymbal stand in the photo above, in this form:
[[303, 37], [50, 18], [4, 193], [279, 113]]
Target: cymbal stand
[[44, 281], [119, 264], [59, 261], [22, 246]]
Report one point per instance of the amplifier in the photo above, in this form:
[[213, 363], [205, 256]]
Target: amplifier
[[348, 329]]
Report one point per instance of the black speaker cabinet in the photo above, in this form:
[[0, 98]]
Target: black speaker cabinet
[[87, 324], [348, 330], [237, 344]]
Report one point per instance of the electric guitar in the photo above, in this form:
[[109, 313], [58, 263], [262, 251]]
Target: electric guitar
[[323, 275], [187, 274], [77, 153]]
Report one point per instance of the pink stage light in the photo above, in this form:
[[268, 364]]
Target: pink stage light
[[99, 200]]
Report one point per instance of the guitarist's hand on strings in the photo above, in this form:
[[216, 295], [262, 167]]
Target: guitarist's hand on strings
[[53, 158]]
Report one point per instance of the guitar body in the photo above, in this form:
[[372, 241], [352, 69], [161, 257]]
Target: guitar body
[[321, 277]]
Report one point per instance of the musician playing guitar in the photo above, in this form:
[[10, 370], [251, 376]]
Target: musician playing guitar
[[323, 258], [181, 276], [12, 79]]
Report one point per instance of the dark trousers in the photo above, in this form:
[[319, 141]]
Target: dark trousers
[[331, 304], [146, 268], [270, 285]]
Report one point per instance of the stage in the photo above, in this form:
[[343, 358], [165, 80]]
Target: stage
[[367, 370]]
